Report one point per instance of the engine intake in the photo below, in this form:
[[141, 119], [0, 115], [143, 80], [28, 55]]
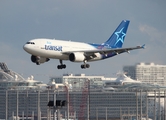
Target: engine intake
[[35, 59], [76, 57]]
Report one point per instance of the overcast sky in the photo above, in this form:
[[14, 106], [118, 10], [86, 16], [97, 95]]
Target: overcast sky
[[91, 21]]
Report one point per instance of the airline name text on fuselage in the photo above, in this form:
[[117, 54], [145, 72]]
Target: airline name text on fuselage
[[51, 47]]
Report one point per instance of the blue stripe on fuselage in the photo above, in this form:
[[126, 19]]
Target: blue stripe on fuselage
[[100, 47]]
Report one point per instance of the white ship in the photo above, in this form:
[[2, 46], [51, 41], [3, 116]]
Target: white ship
[[115, 99], [12, 80]]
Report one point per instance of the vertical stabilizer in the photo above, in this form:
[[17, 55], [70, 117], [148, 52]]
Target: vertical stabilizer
[[117, 38]]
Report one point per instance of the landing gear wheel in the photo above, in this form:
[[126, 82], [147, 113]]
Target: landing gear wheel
[[61, 66], [37, 63], [85, 66], [82, 66]]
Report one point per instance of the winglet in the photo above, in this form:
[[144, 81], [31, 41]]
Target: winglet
[[143, 46]]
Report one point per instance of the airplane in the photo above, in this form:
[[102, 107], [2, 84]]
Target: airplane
[[42, 50]]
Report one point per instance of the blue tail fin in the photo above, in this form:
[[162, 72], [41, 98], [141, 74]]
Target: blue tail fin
[[117, 38]]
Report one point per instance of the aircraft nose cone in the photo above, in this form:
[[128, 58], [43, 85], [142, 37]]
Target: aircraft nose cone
[[25, 47]]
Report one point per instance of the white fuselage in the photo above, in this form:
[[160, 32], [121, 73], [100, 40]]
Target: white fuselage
[[55, 49]]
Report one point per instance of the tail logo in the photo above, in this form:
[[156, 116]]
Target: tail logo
[[120, 36]]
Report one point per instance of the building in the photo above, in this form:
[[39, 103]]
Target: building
[[147, 73], [90, 97], [77, 80]]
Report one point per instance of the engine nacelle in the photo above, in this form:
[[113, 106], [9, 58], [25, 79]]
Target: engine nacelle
[[33, 59], [76, 57], [36, 59]]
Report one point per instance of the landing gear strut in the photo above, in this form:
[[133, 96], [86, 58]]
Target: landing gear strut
[[61, 66], [84, 66]]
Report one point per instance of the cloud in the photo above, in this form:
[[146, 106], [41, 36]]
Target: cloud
[[155, 35], [155, 51]]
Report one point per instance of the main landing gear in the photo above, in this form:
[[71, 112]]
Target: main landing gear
[[61, 66], [84, 66]]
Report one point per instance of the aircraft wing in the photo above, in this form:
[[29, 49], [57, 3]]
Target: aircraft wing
[[88, 53]]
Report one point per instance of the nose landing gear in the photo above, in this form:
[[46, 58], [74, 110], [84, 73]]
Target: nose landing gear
[[61, 66]]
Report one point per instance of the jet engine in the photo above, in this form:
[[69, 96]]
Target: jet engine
[[76, 57], [38, 60]]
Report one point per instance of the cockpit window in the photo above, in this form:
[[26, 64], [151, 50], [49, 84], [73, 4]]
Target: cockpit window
[[30, 43]]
